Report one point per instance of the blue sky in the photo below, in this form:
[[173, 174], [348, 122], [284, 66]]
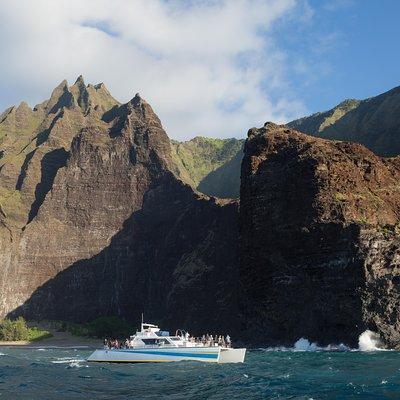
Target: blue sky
[[351, 48], [208, 67]]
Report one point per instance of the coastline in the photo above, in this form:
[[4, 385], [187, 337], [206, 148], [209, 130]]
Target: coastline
[[59, 339]]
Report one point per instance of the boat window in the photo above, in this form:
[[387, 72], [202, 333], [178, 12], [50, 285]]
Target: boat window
[[162, 333], [175, 338], [150, 341]]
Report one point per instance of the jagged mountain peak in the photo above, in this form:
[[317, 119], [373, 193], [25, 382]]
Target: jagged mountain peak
[[138, 108], [26, 135], [88, 98], [79, 81], [24, 106], [60, 97], [137, 100]]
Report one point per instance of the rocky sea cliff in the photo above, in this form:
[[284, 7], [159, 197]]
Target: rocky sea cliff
[[97, 218]]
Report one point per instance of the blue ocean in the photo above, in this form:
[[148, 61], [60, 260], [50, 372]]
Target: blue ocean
[[266, 374]]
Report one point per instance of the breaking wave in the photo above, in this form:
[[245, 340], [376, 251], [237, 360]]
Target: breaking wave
[[370, 341], [305, 345], [367, 341]]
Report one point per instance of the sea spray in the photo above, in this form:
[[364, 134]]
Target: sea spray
[[305, 345], [369, 341]]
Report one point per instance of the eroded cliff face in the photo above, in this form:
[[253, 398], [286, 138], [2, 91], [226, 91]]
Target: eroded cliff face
[[319, 239], [94, 223]]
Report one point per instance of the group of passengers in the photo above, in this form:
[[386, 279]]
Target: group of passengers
[[116, 344], [220, 340], [206, 340], [210, 340]]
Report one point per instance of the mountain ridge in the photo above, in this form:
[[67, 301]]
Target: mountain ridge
[[371, 122]]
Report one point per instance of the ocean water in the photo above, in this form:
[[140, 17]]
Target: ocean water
[[266, 374]]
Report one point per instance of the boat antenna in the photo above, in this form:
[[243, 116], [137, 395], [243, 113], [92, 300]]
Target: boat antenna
[[141, 326]]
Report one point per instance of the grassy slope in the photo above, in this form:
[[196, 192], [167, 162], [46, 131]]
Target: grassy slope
[[211, 166], [373, 122]]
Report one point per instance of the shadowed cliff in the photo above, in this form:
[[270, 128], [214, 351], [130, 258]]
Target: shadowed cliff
[[174, 260], [319, 239]]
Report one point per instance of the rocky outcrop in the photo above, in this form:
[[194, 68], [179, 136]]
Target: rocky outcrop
[[319, 253], [102, 227], [372, 122]]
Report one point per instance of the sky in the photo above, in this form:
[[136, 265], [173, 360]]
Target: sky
[[208, 67]]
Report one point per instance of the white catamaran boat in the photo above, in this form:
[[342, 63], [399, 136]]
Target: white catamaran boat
[[151, 344]]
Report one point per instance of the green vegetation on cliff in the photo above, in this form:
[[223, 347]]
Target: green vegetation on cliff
[[18, 329], [31, 139], [211, 166], [373, 122]]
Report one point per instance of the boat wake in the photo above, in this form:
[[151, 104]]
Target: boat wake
[[72, 362]]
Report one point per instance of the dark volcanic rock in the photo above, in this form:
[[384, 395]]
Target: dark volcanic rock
[[102, 225], [174, 260], [319, 239]]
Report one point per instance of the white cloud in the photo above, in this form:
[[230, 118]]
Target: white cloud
[[206, 67]]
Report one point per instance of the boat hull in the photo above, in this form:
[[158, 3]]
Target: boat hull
[[204, 354]]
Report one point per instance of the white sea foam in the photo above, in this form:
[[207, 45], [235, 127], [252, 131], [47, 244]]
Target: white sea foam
[[76, 364], [71, 362], [68, 360], [370, 341], [2, 354], [367, 341], [305, 345]]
